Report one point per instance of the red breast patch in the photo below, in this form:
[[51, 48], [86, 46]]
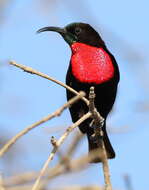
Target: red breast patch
[[91, 64]]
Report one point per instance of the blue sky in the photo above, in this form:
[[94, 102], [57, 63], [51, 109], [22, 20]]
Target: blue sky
[[26, 98]]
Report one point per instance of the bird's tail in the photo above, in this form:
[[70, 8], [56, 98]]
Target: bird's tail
[[93, 146]]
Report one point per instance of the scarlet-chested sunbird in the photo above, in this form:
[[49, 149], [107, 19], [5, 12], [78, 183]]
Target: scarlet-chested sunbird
[[91, 64]]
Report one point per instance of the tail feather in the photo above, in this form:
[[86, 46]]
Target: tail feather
[[93, 146]]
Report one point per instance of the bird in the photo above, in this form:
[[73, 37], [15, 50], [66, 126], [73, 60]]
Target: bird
[[91, 64]]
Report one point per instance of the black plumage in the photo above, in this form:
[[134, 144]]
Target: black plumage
[[105, 92]]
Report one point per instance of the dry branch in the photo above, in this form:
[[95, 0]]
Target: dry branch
[[98, 133], [64, 158], [43, 120], [28, 177], [59, 142], [98, 122], [28, 187], [77, 187], [33, 71], [74, 166]]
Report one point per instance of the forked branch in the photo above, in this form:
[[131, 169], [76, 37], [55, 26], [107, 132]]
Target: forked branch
[[43, 120], [97, 120], [56, 146]]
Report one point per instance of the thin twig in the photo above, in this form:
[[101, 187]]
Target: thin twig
[[30, 176], [75, 187], [59, 142], [98, 119], [43, 120], [108, 185], [98, 136], [74, 165], [33, 71], [66, 157]]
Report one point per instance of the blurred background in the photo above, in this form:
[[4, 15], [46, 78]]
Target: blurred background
[[26, 98]]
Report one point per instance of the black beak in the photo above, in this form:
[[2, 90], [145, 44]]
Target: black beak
[[68, 37], [52, 28]]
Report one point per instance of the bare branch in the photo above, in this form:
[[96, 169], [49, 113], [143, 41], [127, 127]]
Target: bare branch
[[43, 120], [98, 135], [33, 71], [60, 169], [98, 121], [59, 142], [66, 157], [30, 176], [24, 187], [77, 187]]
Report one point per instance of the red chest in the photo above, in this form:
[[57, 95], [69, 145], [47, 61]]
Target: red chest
[[91, 64]]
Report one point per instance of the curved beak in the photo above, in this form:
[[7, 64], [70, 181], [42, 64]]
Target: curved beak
[[68, 37], [52, 28]]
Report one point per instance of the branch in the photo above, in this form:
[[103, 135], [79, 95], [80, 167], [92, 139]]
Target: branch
[[64, 158], [43, 120], [60, 169], [98, 136], [33, 71], [75, 187], [58, 143], [98, 122], [30, 176]]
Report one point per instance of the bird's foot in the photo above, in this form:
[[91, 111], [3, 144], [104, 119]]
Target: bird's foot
[[96, 126], [102, 122], [96, 138]]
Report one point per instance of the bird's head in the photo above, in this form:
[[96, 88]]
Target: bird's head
[[77, 32]]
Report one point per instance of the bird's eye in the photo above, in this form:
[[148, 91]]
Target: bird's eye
[[78, 30]]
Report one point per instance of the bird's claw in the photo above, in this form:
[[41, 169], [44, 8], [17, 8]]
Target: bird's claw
[[93, 126], [101, 123], [96, 139]]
